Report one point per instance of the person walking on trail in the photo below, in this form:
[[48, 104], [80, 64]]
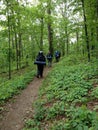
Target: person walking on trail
[[57, 55], [49, 58], [41, 62]]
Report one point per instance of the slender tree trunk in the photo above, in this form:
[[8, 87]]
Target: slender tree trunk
[[41, 37], [97, 27], [20, 49], [67, 41], [77, 37], [13, 46], [97, 17], [17, 66], [50, 30], [12, 41], [86, 32], [9, 37], [65, 15], [92, 42], [50, 38]]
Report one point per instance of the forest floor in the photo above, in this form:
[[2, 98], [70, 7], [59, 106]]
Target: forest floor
[[18, 109]]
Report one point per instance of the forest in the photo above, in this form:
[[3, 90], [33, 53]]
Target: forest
[[68, 96]]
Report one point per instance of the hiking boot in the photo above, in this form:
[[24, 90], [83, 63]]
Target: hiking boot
[[37, 76]]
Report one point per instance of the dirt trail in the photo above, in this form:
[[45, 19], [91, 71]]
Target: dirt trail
[[18, 110]]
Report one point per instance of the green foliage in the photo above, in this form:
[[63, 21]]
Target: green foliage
[[39, 112], [95, 92], [64, 95], [30, 123], [81, 117], [12, 87]]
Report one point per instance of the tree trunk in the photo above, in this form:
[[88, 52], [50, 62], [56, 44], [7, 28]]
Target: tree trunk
[[50, 38], [20, 49], [50, 30], [77, 37], [9, 37], [67, 41], [41, 37], [92, 42], [97, 17], [97, 28], [86, 32], [17, 66]]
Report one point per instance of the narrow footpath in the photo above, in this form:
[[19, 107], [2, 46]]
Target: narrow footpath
[[19, 109]]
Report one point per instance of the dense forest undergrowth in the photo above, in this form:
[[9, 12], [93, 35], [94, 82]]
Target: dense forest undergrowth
[[19, 81], [68, 98]]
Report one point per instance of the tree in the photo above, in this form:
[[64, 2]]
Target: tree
[[86, 31], [50, 30], [9, 36]]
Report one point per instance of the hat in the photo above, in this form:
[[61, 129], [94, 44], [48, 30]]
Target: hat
[[41, 52]]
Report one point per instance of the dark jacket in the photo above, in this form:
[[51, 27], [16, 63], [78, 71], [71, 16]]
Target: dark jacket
[[49, 56], [40, 59]]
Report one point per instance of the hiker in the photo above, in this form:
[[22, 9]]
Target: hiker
[[41, 62], [49, 58], [57, 55]]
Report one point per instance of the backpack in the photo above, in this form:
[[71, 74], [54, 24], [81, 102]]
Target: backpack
[[40, 58], [49, 56], [56, 54]]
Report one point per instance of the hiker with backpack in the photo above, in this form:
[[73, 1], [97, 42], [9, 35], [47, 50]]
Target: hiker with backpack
[[40, 62], [49, 58], [57, 55]]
